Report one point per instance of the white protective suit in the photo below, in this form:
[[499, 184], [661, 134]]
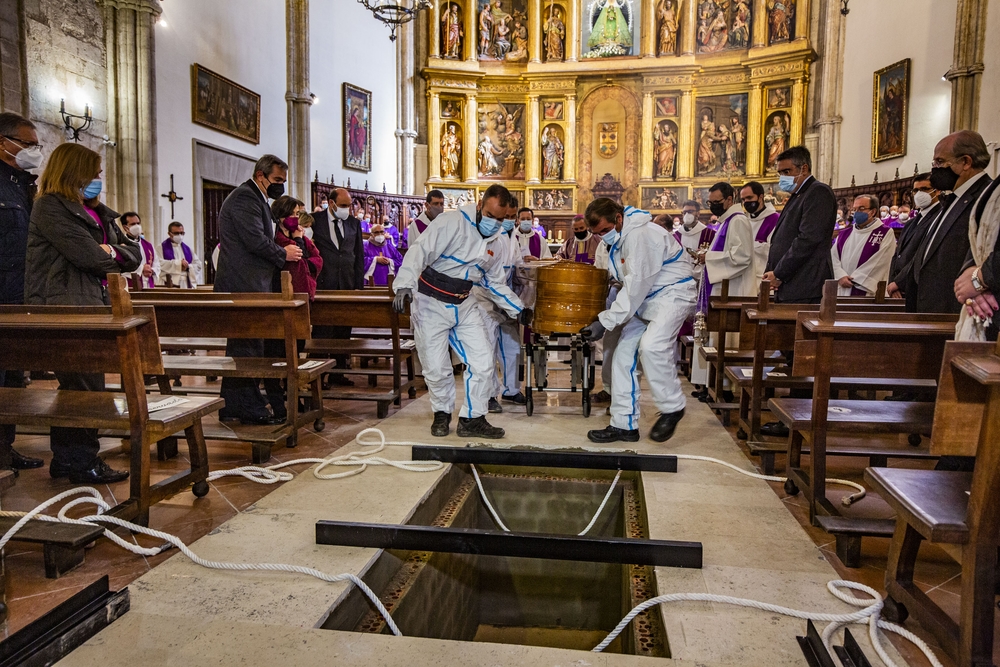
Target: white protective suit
[[657, 295], [500, 328], [453, 246]]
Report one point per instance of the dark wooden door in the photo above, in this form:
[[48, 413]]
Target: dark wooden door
[[213, 194]]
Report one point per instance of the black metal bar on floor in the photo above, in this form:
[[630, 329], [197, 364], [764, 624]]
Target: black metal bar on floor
[[813, 648], [53, 636], [546, 458], [667, 553], [850, 653]]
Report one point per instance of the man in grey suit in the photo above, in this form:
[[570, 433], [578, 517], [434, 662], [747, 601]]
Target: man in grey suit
[[799, 260], [250, 261]]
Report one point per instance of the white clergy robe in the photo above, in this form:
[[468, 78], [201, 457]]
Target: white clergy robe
[[865, 256], [731, 255]]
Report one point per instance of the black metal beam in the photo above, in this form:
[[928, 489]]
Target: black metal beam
[[520, 545], [546, 459], [813, 649], [850, 653]]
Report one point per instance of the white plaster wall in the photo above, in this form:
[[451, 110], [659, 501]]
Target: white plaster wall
[[989, 98], [924, 32], [348, 44]]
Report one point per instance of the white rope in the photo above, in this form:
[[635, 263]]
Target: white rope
[[504, 528], [870, 614]]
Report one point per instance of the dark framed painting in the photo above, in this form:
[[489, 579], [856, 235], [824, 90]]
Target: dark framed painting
[[357, 128], [890, 107], [224, 105], [666, 106]]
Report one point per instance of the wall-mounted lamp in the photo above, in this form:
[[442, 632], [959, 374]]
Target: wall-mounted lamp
[[314, 98], [73, 131], [844, 9]]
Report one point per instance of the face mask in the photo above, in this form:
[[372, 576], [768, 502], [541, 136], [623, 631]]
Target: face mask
[[275, 190], [860, 218], [177, 238], [487, 226], [689, 220], [92, 190], [291, 223], [325, 205], [786, 183], [884, 213], [716, 207], [28, 158], [751, 206], [581, 236], [308, 232], [943, 178], [341, 213], [525, 226], [922, 199], [611, 237], [903, 217], [379, 239], [135, 230], [508, 225]]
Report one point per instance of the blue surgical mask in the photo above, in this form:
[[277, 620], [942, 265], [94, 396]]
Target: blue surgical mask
[[860, 218], [92, 189], [611, 237], [525, 226], [786, 183], [508, 224], [488, 226]]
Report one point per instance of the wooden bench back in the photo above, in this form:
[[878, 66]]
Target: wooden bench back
[[357, 308], [960, 405]]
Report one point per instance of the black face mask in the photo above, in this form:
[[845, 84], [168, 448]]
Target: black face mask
[[751, 206], [275, 190], [943, 178], [717, 208], [580, 235]]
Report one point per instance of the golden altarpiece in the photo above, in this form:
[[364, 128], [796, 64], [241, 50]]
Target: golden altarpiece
[[554, 98]]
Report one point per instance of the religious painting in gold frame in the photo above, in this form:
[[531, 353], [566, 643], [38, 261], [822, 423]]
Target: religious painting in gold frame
[[455, 197], [550, 199], [224, 105], [664, 199], [890, 108], [357, 128]]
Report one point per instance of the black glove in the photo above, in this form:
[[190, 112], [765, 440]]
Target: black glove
[[594, 332], [525, 316], [402, 296]]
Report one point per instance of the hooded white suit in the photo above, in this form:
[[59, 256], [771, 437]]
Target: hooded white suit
[[657, 295], [500, 328], [454, 247]]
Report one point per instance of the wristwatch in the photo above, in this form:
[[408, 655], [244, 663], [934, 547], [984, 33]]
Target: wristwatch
[[114, 254], [977, 284]]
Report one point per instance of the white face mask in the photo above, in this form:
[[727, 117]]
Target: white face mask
[[342, 213], [177, 238], [135, 230], [28, 158], [379, 239], [904, 216], [922, 199], [688, 219], [308, 232], [525, 226]]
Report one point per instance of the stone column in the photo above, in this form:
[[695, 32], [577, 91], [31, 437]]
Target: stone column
[[569, 166], [646, 139], [130, 167], [406, 119], [471, 138], [648, 37], [471, 38], [966, 71], [434, 32], [827, 156], [759, 37], [573, 32], [798, 103], [532, 168], [535, 36], [689, 27], [298, 96], [434, 138], [685, 151], [755, 112]]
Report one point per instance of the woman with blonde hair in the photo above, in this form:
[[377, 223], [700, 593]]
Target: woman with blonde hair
[[73, 244]]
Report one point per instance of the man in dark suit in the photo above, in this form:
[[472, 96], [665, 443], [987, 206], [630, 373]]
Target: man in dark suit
[[925, 202], [928, 282], [250, 261], [799, 261], [338, 236]]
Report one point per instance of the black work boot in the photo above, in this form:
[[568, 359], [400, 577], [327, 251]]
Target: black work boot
[[478, 427], [495, 406], [613, 434], [664, 427], [442, 424]]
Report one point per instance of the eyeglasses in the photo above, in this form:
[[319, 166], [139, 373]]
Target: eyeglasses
[[942, 163], [25, 144]]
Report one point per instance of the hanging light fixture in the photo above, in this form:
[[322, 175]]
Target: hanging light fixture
[[395, 13]]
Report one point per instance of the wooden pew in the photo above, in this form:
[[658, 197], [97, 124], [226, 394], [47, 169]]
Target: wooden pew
[[218, 315], [120, 340], [952, 508], [870, 345], [370, 309]]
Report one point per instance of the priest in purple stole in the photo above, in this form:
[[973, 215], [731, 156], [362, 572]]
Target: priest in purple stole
[[863, 252], [381, 258], [731, 255], [763, 219], [179, 262], [433, 207], [582, 246], [149, 272]]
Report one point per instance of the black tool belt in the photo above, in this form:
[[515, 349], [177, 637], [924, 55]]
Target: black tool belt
[[444, 288]]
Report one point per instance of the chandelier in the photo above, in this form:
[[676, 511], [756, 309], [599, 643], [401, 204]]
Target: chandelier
[[395, 13]]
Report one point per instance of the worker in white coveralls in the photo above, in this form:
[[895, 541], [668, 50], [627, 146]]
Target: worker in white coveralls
[[459, 250], [657, 295]]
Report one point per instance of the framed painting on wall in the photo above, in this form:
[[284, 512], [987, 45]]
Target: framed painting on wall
[[224, 105], [551, 199], [890, 102], [664, 199], [357, 128]]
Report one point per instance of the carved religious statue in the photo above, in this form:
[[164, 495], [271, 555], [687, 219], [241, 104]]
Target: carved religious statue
[[451, 31], [780, 14], [555, 36], [451, 152], [610, 34], [776, 139], [552, 154], [665, 149], [667, 34]]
